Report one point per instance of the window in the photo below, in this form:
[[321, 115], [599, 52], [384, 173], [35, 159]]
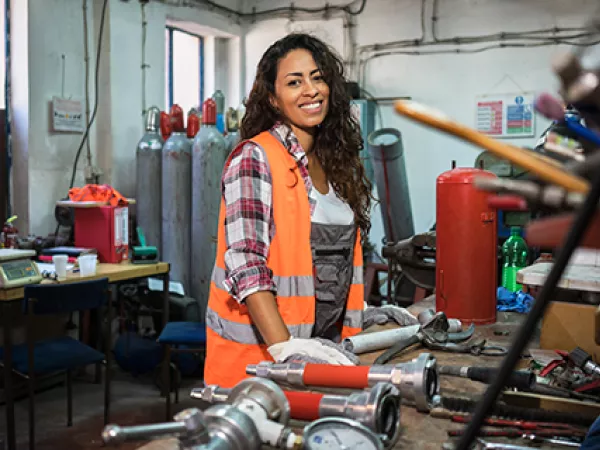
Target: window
[[185, 60]]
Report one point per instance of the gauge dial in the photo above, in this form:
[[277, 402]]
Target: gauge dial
[[337, 433]]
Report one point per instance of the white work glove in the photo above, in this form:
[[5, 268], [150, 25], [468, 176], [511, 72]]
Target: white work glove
[[384, 314], [317, 351]]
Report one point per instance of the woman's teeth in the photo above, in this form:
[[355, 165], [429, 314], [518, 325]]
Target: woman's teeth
[[314, 105]]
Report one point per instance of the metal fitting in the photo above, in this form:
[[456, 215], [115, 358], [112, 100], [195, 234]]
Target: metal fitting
[[377, 409], [264, 393], [287, 372], [211, 394], [219, 427], [417, 380]]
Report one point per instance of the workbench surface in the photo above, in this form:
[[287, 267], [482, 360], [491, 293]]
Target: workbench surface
[[421, 431]]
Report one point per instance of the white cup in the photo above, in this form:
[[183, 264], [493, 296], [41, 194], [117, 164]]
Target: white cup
[[60, 265], [87, 265]]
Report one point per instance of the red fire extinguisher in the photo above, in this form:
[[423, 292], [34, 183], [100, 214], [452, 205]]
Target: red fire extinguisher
[[10, 233]]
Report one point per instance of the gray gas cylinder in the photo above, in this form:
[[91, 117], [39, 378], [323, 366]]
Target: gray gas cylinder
[[148, 161], [208, 158], [177, 203], [387, 154], [232, 124]]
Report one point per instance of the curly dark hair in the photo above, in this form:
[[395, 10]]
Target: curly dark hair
[[337, 141]]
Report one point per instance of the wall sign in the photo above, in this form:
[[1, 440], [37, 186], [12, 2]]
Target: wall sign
[[67, 115], [506, 116]]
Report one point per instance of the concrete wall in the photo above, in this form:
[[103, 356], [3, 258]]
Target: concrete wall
[[447, 82], [44, 30]]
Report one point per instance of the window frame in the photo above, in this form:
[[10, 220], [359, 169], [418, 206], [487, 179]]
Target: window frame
[[170, 29]]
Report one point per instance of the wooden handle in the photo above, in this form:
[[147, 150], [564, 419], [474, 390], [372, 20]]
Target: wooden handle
[[527, 160]]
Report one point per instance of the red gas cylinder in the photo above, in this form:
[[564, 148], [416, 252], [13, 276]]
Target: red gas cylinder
[[466, 254]]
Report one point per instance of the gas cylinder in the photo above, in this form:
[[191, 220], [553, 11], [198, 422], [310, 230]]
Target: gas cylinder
[[165, 125], [176, 200], [208, 159], [466, 253], [10, 234], [219, 99], [148, 161], [233, 136], [193, 125]]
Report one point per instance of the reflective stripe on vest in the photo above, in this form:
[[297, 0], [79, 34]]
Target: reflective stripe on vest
[[294, 286], [353, 318], [247, 334]]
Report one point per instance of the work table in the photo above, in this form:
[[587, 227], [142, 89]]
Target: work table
[[419, 430]]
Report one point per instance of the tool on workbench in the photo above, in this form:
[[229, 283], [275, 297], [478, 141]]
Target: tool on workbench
[[412, 258], [258, 410], [417, 380], [559, 429], [515, 433], [582, 359], [258, 415], [446, 407], [484, 445], [425, 316], [549, 196], [143, 254], [522, 380], [434, 335], [378, 340], [378, 408], [221, 426]]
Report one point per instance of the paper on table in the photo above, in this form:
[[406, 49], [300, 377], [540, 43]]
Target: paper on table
[[49, 267], [175, 287]]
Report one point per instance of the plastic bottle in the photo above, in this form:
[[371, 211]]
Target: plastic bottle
[[514, 258]]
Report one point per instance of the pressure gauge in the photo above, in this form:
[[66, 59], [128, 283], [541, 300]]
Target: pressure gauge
[[340, 433]]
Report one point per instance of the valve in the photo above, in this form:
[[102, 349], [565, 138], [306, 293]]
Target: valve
[[221, 427]]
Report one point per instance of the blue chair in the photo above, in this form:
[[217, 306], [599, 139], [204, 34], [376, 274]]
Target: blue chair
[[179, 337], [62, 354]]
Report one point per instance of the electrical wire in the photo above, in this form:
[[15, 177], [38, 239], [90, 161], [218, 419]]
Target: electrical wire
[[86, 59], [96, 85], [574, 237], [280, 10], [8, 104], [144, 64], [464, 51]]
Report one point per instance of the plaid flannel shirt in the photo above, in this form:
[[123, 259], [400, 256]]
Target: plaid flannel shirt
[[249, 228]]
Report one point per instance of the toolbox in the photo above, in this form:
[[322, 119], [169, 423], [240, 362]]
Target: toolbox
[[105, 228]]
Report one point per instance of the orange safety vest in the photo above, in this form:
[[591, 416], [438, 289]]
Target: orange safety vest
[[232, 341]]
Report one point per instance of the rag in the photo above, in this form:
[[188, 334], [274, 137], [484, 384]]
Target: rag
[[97, 193], [387, 313], [316, 350], [514, 301]]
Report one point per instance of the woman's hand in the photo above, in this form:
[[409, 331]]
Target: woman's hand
[[265, 315]]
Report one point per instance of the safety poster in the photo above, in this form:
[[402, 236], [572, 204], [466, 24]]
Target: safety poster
[[506, 116]]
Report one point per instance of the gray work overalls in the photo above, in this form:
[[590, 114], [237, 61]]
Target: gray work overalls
[[333, 265]]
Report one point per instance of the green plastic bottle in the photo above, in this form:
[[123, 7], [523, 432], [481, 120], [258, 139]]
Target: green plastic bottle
[[514, 258]]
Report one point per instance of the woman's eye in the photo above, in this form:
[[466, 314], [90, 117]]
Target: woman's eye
[[318, 78], [294, 83]]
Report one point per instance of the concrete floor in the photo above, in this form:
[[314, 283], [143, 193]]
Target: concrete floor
[[134, 401]]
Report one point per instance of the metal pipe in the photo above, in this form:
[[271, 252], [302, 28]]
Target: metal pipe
[[417, 380], [387, 154], [378, 340]]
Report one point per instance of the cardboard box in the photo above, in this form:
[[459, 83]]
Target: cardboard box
[[569, 325]]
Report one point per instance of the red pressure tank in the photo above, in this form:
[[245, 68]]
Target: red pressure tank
[[466, 248]]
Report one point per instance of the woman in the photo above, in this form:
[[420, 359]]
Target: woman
[[287, 282]]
